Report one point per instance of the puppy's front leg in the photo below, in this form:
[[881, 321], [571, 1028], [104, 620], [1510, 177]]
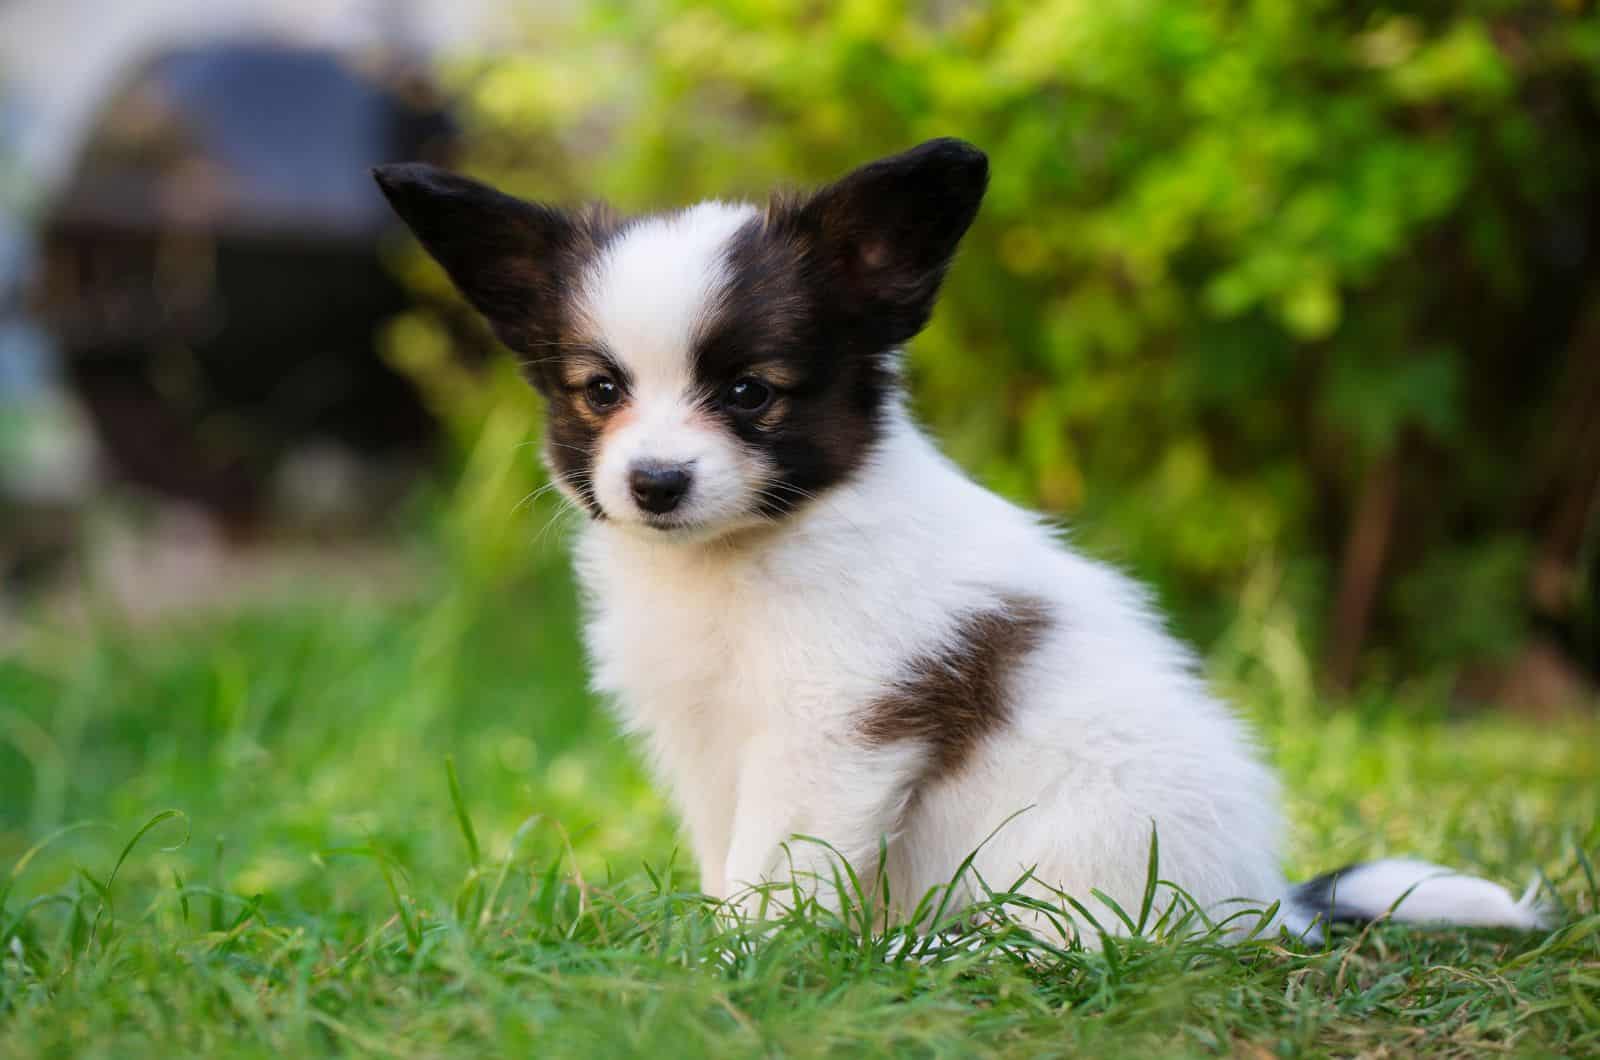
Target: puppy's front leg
[[848, 795]]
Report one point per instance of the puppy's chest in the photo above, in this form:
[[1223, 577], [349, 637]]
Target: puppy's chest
[[721, 659]]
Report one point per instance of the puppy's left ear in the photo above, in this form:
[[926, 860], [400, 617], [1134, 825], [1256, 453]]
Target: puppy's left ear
[[509, 257], [878, 241]]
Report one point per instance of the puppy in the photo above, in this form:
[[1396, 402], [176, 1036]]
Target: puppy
[[818, 625]]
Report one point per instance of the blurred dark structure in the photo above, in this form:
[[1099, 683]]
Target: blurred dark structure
[[211, 269]]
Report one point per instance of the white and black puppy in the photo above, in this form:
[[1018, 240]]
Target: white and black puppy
[[818, 624]]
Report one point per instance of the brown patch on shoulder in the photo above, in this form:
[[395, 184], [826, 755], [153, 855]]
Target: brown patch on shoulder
[[953, 699]]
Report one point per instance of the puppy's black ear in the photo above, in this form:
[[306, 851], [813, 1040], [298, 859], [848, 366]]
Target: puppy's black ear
[[879, 240], [508, 257]]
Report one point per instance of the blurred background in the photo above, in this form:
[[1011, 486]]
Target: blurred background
[[1290, 308]]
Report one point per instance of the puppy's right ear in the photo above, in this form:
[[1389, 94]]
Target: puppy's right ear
[[507, 256]]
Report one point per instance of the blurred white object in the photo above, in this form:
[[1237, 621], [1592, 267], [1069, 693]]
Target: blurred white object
[[63, 56], [47, 452]]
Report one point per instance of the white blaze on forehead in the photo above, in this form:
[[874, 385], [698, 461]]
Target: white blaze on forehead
[[653, 286]]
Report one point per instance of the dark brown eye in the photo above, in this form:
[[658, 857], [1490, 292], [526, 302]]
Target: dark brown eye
[[748, 395], [603, 393]]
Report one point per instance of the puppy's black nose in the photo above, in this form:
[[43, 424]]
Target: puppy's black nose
[[657, 488]]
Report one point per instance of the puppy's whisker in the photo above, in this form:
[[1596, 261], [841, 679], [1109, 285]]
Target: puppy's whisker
[[534, 496], [566, 509]]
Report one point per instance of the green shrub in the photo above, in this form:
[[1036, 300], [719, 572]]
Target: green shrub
[[1240, 264]]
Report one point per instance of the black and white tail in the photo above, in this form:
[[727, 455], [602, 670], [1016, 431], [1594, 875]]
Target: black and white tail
[[1408, 891]]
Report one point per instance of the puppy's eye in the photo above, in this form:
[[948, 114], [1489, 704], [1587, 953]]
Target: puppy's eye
[[748, 395], [603, 393]]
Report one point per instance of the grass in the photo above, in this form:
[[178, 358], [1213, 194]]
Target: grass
[[330, 826]]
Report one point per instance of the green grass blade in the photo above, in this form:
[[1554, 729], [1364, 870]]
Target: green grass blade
[[463, 820], [1152, 881]]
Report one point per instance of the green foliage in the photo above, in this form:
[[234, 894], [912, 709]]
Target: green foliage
[[1480, 587], [1233, 254]]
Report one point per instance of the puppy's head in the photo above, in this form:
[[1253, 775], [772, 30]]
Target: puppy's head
[[712, 368]]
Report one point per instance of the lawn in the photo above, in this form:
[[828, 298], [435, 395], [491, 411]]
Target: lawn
[[336, 823]]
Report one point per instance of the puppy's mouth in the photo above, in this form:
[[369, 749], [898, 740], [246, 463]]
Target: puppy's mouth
[[661, 525], [666, 523], [688, 530]]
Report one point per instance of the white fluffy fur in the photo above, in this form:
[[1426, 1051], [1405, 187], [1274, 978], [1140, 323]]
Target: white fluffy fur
[[745, 659]]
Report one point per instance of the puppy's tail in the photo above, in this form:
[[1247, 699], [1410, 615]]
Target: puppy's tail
[[1408, 891]]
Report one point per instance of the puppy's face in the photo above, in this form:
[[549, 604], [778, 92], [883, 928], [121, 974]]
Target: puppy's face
[[717, 367]]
